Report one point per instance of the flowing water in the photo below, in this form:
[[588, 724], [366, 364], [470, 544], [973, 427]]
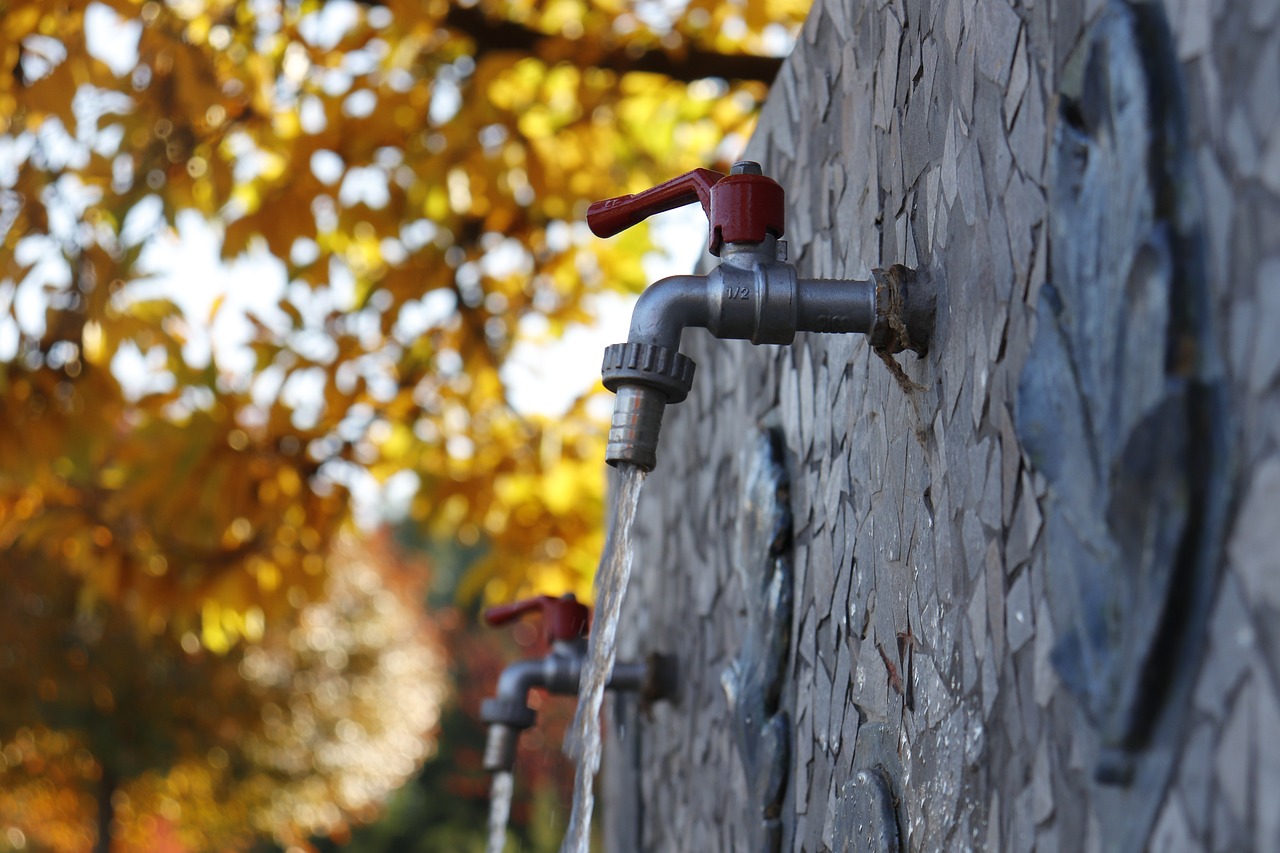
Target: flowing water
[[583, 742], [499, 810]]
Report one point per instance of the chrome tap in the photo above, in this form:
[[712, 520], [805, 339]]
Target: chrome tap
[[753, 294], [565, 623]]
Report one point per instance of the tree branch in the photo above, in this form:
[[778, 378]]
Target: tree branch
[[493, 35]]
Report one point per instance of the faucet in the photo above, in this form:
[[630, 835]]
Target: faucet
[[565, 624], [752, 294]]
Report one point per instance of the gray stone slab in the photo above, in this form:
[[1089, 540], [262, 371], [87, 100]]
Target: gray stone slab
[[995, 580], [1045, 682], [998, 28], [1172, 832], [990, 680], [1233, 763], [1019, 615], [1019, 74], [840, 706], [1022, 829], [1027, 138], [990, 510], [1230, 626], [1266, 784], [871, 681]]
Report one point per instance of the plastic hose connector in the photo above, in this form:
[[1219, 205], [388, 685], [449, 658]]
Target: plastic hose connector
[[650, 365]]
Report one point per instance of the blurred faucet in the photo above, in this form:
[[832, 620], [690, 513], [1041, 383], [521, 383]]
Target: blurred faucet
[[565, 623]]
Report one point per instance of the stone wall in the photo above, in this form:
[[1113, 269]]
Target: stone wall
[[930, 531]]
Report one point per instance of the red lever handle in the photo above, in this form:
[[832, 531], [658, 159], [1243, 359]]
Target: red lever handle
[[562, 618], [744, 207], [615, 215]]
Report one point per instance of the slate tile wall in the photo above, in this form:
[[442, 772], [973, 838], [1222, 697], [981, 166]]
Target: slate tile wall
[[917, 132]]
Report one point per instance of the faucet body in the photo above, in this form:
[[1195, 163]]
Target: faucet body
[[752, 294], [558, 672]]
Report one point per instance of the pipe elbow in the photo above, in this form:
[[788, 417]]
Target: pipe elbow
[[517, 679], [667, 307]]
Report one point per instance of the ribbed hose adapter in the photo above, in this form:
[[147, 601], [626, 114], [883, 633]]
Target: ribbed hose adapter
[[633, 432], [646, 377], [500, 747], [506, 719]]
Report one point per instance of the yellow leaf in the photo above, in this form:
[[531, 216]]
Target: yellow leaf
[[20, 22]]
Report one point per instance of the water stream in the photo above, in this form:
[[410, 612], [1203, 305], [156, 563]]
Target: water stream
[[583, 742], [499, 810]]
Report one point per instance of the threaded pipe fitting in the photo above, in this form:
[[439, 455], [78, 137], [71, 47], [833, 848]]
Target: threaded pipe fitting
[[633, 434], [654, 366], [500, 747], [904, 311]]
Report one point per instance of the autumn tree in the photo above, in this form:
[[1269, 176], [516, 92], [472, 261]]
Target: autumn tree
[[418, 170], [297, 734]]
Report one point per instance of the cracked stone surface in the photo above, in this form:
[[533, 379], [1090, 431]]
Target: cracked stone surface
[[918, 132]]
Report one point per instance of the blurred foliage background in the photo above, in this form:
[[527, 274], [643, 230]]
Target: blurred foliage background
[[199, 649]]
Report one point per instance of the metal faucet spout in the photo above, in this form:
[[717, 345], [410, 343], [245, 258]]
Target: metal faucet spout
[[519, 677], [667, 307]]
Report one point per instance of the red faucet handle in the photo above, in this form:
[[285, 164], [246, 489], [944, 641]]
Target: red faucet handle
[[615, 215], [562, 618], [743, 207]]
